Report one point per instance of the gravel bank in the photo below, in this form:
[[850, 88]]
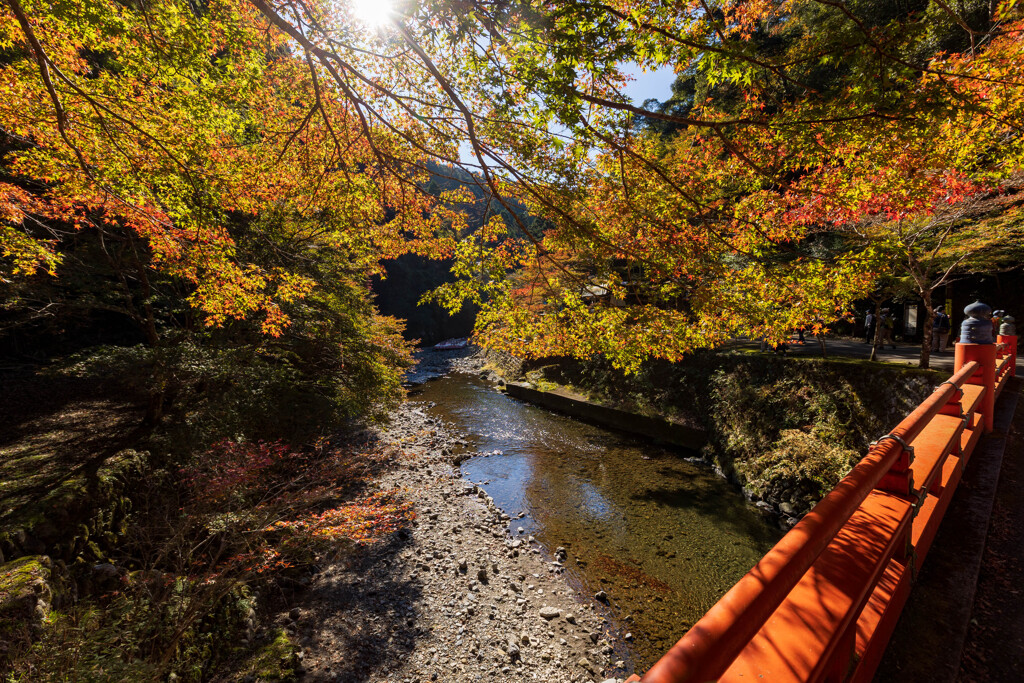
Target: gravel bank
[[453, 597]]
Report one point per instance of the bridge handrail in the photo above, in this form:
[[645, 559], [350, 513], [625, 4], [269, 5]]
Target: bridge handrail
[[712, 644]]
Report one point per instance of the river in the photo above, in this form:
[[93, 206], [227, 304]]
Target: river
[[663, 537]]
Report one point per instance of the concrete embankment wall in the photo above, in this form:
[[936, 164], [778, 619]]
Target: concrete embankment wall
[[654, 428]]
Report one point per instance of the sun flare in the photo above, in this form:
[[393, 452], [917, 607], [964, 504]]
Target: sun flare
[[372, 13]]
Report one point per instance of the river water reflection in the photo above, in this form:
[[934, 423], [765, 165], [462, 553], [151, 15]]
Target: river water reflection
[[663, 537]]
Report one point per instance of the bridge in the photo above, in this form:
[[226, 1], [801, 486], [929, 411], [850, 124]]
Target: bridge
[[824, 602]]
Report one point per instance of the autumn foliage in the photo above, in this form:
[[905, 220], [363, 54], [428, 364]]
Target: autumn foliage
[[761, 195], [176, 126], [208, 188], [265, 506], [778, 195]]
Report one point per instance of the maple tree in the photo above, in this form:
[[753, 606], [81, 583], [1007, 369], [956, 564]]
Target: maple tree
[[168, 120], [729, 224], [229, 174], [802, 117], [169, 153], [920, 254]]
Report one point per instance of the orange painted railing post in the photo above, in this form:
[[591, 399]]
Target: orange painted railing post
[[985, 355], [1011, 350]]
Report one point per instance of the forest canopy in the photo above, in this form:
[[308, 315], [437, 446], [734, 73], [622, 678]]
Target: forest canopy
[[240, 168]]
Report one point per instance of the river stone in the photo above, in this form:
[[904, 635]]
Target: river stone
[[601, 595], [787, 508], [549, 613]]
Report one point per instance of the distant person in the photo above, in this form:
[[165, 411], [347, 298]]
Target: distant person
[[869, 328], [940, 330], [886, 322], [800, 338]]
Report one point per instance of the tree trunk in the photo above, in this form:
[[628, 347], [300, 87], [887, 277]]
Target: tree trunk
[[154, 408], [926, 341], [878, 331]]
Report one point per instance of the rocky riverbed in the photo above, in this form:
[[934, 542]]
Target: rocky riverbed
[[431, 364], [453, 597]]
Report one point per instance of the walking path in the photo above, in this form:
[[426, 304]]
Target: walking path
[[902, 354], [994, 647]]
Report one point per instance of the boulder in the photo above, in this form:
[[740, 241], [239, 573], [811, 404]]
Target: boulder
[[25, 590]]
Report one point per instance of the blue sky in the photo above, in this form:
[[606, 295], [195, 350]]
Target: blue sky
[[656, 84]]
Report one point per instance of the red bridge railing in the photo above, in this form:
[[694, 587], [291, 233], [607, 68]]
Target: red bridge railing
[[822, 604]]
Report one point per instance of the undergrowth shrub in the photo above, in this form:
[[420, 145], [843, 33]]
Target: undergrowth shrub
[[148, 626], [800, 463], [239, 519], [256, 506], [205, 392], [755, 406]]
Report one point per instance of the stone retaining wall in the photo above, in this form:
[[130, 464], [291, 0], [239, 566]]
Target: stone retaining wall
[[580, 408]]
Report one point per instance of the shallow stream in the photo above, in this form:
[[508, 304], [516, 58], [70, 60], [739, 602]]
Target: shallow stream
[[663, 537]]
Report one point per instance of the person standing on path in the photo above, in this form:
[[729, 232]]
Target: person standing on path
[[869, 328], [940, 330], [886, 322]]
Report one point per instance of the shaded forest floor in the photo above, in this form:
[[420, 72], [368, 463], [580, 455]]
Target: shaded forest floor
[[56, 436]]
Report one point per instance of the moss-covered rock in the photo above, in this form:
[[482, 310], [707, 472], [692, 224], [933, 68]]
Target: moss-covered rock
[[84, 515], [25, 591], [276, 659], [29, 588]]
